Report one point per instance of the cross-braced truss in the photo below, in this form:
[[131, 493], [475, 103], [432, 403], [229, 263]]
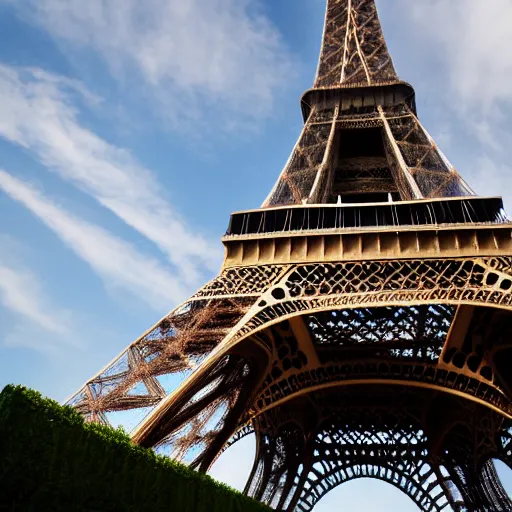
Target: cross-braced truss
[[410, 160], [173, 348], [313, 444], [353, 49]]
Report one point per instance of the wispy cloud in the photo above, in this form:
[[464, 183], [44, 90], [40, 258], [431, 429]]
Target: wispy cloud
[[116, 261], [494, 177], [224, 52], [470, 42], [473, 41], [20, 292], [39, 112], [477, 43], [30, 317]]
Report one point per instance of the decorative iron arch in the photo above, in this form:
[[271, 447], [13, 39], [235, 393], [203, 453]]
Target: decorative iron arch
[[418, 495], [362, 448]]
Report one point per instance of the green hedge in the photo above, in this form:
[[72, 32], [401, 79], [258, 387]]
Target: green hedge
[[50, 460]]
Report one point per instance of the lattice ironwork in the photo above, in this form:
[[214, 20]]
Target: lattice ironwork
[[244, 431], [171, 349], [353, 55], [417, 332], [433, 173], [207, 417], [321, 286], [411, 159], [356, 350], [353, 49], [297, 179], [309, 446], [242, 281]]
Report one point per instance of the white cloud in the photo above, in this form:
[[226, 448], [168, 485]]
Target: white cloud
[[20, 292], [493, 177], [224, 51], [476, 43], [32, 318], [38, 113], [468, 46], [473, 41], [116, 261]]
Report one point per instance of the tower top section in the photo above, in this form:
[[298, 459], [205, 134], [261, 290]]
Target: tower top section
[[354, 59], [362, 141], [354, 52]]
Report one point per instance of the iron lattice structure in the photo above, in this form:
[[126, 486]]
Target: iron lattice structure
[[360, 324]]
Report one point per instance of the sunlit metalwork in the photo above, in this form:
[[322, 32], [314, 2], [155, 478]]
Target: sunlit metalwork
[[360, 324]]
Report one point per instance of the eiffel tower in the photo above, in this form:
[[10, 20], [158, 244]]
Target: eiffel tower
[[360, 324]]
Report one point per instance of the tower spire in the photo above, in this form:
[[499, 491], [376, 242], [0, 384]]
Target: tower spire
[[354, 51], [362, 140]]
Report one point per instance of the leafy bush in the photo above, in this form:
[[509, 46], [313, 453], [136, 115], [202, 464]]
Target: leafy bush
[[51, 460]]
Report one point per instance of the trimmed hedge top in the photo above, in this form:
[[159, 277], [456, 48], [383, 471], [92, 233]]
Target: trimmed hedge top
[[51, 460]]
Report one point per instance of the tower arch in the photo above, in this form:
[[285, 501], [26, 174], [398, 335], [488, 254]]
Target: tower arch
[[365, 494]]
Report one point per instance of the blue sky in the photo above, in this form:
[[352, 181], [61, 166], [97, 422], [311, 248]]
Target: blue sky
[[130, 130]]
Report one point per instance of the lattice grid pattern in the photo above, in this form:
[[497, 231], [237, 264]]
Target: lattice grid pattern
[[174, 347], [353, 50], [417, 332], [339, 436], [434, 175], [296, 180]]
